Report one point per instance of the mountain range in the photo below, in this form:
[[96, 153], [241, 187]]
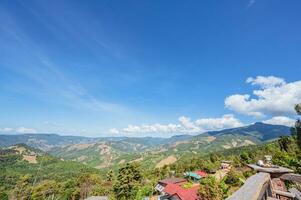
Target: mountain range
[[105, 152]]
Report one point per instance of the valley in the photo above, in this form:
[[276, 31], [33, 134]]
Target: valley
[[102, 153], [79, 167]]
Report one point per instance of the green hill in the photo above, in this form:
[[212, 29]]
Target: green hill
[[150, 151], [26, 171]]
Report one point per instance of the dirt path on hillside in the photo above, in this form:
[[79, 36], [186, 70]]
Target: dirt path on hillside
[[167, 161]]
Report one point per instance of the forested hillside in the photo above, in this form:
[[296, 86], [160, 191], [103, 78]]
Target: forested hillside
[[129, 168], [28, 173], [151, 151], [52, 178]]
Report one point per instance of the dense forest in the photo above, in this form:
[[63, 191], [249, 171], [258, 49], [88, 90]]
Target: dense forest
[[53, 178]]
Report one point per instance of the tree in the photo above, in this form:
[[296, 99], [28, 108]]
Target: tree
[[214, 157], [298, 125], [144, 191], [245, 158], [47, 189], [127, 182], [3, 196], [22, 189], [210, 189], [88, 184], [284, 142], [110, 175], [233, 178], [298, 108]]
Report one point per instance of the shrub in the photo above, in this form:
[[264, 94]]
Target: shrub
[[210, 189]]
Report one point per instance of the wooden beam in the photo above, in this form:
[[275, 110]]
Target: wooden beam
[[296, 192], [271, 170], [256, 187], [285, 194], [291, 177]]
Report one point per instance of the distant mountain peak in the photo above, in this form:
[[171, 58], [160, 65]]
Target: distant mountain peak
[[258, 130]]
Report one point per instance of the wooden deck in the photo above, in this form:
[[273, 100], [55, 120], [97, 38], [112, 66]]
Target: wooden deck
[[271, 170], [256, 187], [261, 186]]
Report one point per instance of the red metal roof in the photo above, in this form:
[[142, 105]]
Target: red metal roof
[[183, 194], [200, 173]]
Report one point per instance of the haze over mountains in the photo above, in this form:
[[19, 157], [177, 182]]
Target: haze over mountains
[[43, 141], [111, 151]]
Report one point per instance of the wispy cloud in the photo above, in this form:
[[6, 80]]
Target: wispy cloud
[[6, 129], [18, 130], [251, 3], [50, 83]]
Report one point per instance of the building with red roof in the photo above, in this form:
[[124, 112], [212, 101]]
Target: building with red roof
[[172, 188], [201, 173], [176, 192]]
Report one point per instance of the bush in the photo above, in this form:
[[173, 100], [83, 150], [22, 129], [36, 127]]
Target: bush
[[234, 178], [187, 185], [210, 189]]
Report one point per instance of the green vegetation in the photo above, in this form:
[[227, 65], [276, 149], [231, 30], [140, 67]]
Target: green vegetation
[[298, 125], [187, 185], [210, 189], [149, 151], [52, 178], [128, 181]]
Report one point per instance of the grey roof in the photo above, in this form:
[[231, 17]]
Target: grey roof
[[172, 180], [97, 198]]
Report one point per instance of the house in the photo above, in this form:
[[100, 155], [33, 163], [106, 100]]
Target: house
[[163, 183], [172, 180], [195, 175], [176, 192], [226, 165], [173, 188], [176, 188]]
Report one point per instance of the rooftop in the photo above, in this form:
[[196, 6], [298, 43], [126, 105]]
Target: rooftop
[[181, 193], [173, 180]]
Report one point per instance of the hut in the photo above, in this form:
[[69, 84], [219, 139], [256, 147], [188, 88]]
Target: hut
[[225, 165]]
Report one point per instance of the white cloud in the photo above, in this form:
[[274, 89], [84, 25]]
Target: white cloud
[[266, 81], [26, 130], [227, 121], [280, 120], [114, 131], [6, 129], [18, 130], [188, 125], [275, 97], [185, 126]]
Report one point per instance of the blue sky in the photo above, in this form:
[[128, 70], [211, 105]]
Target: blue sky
[[140, 68]]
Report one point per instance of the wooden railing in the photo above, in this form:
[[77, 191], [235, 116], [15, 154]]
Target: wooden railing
[[259, 187], [256, 187]]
